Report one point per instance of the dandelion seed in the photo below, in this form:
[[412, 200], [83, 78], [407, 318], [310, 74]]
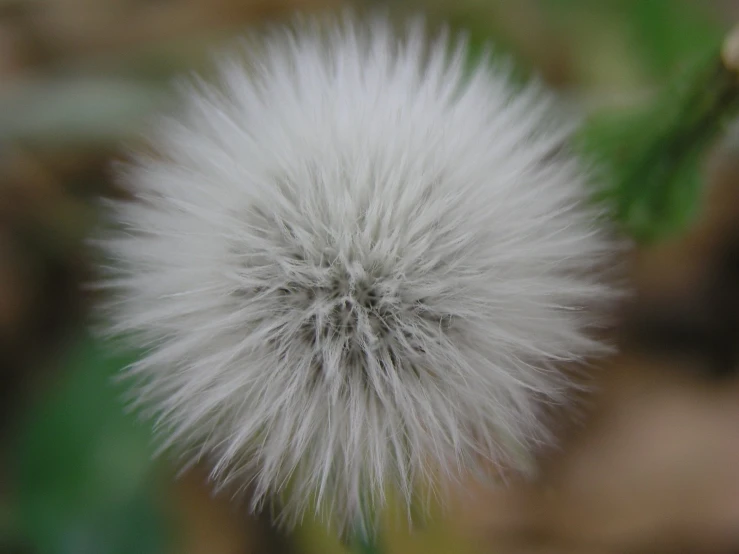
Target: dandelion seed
[[355, 264]]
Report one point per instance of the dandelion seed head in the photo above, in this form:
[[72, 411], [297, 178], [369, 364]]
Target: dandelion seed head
[[355, 263]]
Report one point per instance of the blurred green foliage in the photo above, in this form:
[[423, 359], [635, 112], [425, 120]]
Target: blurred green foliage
[[652, 154], [84, 477], [652, 158], [664, 33]]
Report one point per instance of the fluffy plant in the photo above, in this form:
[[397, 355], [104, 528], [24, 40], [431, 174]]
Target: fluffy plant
[[355, 262]]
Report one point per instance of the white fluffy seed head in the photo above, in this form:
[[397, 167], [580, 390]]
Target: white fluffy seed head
[[355, 262]]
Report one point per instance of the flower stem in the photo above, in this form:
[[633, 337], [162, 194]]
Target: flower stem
[[654, 156]]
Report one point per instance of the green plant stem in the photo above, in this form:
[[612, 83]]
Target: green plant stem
[[699, 116], [653, 157]]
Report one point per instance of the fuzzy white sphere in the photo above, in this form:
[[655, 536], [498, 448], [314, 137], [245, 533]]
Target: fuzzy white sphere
[[355, 262]]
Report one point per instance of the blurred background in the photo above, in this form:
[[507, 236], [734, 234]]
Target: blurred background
[[649, 463]]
